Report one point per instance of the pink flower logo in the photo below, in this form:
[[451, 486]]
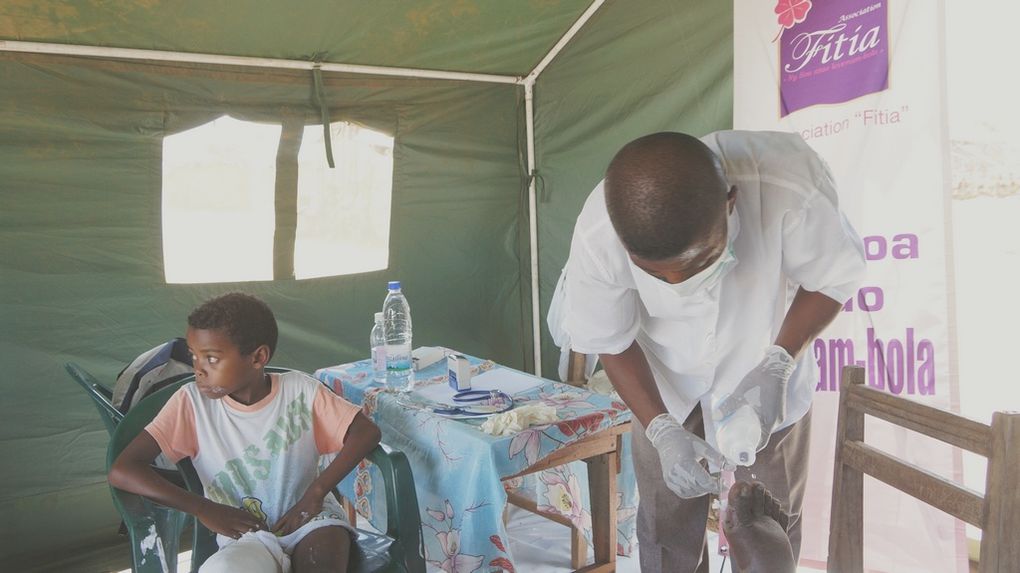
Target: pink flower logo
[[791, 12]]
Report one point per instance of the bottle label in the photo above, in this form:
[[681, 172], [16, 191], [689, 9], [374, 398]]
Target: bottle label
[[379, 358], [398, 357]]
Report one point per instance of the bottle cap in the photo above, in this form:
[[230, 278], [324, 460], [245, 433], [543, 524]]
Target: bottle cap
[[744, 457], [378, 316], [738, 455], [394, 285]]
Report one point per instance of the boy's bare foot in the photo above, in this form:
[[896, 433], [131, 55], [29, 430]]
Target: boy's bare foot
[[755, 528]]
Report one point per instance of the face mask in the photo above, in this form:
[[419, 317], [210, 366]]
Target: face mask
[[710, 276]]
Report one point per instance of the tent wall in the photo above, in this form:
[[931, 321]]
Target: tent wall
[[636, 68], [80, 247], [81, 274]]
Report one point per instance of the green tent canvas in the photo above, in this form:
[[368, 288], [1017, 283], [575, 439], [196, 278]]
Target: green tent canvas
[[81, 264]]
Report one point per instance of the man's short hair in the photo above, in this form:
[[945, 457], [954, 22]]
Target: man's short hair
[[663, 191], [247, 321]]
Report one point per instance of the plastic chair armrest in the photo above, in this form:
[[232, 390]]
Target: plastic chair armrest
[[153, 529], [403, 522]]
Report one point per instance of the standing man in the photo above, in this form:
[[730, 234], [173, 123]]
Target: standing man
[[698, 271]]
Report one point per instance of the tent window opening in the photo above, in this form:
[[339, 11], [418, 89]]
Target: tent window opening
[[221, 195], [343, 223]]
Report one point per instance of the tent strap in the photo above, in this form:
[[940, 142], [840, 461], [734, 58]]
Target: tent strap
[[319, 95]]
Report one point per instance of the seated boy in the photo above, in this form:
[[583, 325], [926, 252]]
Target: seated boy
[[255, 440]]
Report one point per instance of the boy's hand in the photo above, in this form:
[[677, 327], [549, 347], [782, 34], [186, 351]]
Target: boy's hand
[[306, 509], [229, 521]]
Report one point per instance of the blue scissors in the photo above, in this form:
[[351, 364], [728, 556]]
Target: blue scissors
[[491, 402]]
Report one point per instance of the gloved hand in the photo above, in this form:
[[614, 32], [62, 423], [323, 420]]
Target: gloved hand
[[680, 453], [764, 390]]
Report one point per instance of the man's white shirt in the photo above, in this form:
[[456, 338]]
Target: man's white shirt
[[786, 232]]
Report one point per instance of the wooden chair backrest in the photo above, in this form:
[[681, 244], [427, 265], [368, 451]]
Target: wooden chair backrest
[[575, 369], [997, 513]]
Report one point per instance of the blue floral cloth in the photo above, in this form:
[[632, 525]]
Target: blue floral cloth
[[457, 467]]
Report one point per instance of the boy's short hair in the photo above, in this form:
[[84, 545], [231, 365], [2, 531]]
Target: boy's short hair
[[246, 320]]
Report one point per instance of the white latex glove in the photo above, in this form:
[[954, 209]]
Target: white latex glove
[[764, 390], [680, 453]]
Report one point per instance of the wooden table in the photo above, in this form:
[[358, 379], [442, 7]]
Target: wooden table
[[461, 473], [601, 452]]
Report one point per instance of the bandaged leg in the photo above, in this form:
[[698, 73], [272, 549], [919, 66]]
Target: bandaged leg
[[257, 552]]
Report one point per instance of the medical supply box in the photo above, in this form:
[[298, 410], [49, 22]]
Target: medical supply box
[[459, 372], [425, 356]]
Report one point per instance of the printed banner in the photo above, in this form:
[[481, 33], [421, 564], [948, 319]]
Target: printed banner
[[830, 55], [863, 83]]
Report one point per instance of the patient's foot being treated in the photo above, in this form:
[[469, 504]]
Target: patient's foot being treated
[[753, 523]]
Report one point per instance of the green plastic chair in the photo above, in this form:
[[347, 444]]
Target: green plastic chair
[[102, 399], [101, 395], [155, 529], [169, 522]]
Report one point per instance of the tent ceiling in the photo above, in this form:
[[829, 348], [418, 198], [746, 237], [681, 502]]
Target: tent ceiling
[[485, 36]]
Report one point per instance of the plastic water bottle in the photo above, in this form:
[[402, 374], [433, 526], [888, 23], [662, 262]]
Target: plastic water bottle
[[397, 332], [738, 435], [378, 344]]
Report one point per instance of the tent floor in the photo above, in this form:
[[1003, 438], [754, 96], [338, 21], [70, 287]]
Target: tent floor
[[540, 545]]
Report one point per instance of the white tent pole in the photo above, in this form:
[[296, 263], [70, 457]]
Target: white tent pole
[[529, 123], [219, 59], [529, 114], [567, 36]]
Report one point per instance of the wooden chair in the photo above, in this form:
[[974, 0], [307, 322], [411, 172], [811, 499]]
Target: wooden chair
[[575, 369], [997, 513]]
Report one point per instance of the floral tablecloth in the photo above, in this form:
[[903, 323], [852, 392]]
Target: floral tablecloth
[[458, 468]]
